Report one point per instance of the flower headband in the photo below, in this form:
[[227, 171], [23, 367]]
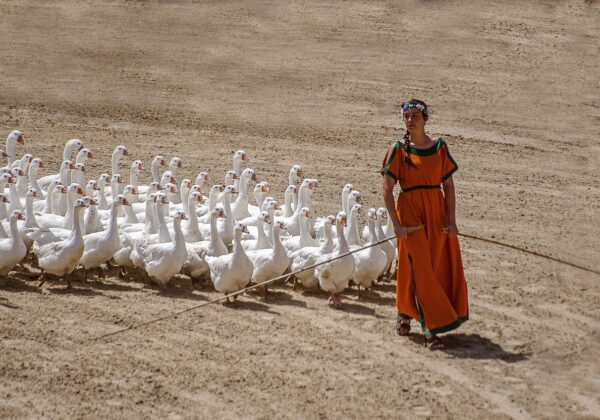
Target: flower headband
[[408, 105]]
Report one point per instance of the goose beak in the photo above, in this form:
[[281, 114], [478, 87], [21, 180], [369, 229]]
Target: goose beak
[[308, 214], [5, 200], [11, 179], [245, 229], [173, 190], [83, 169], [71, 165], [79, 191], [222, 215], [236, 176], [159, 187], [359, 199], [125, 152], [90, 155], [189, 184], [126, 202], [179, 165], [42, 166], [344, 221], [21, 216], [172, 180], [206, 178], [360, 210], [266, 189], [254, 178], [35, 193], [4, 154], [141, 167], [200, 199], [245, 157], [300, 174], [268, 220], [121, 180], [165, 201], [93, 202], [277, 206], [135, 191], [282, 226], [21, 140], [221, 188]]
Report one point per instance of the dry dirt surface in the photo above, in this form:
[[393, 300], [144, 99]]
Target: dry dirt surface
[[513, 88]]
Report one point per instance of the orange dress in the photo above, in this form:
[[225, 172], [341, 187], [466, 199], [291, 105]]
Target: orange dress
[[431, 284]]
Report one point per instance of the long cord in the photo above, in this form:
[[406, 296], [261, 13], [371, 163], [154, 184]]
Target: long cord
[[273, 280]]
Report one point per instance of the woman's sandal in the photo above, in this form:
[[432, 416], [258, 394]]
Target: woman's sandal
[[433, 342], [402, 326]]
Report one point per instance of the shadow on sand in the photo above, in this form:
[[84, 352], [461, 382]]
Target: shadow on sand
[[473, 346]]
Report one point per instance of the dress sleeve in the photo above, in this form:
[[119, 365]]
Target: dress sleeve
[[391, 162], [449, 166]]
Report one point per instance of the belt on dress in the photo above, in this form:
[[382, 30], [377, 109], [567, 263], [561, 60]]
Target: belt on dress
[[422, 187]]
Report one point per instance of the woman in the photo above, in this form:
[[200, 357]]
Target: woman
[[431, 286]]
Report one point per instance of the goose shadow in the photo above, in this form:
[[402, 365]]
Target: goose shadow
[[6, 303], [355, 308], [279, 297], [249, 305], [59, 289], [474, 346], [18, 284], [371, 296], [385, 287]]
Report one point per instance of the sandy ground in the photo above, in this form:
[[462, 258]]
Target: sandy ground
[[514, 89]]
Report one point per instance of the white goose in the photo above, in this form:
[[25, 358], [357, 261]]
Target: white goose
[[137, 166], [213, 198], [117, 155], [155, 166], [215, 246], [163, 260], [308, 256], [34, 168], [334, 275], [191, 230], [226, 226], [62, 257], [369, 263], [15, 201], [387, 247], [13, 139], [78, 174], [102, 202], [92, 220], [295, 175], [239, 157], [290, 192], [351, 231], [304, 239], [99, 247], [231, 272], [239, 208], [269, 263], [70, 147], [58, 198], [83, 155], [13, 248], [261, 241], [23, 181], [3, 214]]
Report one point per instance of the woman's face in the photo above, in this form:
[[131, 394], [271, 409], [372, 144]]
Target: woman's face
[[413, 119]]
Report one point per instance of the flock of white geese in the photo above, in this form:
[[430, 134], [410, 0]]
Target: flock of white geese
[[230, 232]]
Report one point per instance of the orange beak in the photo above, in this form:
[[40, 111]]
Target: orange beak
[[125, 152], [90, 155], [71, 165], [79, 191], [245, 157], [93, 202], [266, 189], [126, 202], [277, 206], [21, 140]]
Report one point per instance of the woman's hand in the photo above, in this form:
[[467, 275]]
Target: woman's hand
[[451, 229], [402, 231]]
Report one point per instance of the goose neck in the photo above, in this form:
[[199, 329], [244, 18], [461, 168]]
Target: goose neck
[[116, 157], [30, 220]]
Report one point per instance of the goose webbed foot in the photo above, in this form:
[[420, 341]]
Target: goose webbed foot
[[42, 279], [122, 272], [335, 302]]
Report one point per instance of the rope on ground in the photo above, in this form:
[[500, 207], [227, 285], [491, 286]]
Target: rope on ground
[[537, 254], [311, 267], [239, 292]]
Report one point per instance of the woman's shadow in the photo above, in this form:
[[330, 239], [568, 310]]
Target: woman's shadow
[[474, 346]]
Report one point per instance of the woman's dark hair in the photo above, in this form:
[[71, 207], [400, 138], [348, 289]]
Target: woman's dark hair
[[421, 106]]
